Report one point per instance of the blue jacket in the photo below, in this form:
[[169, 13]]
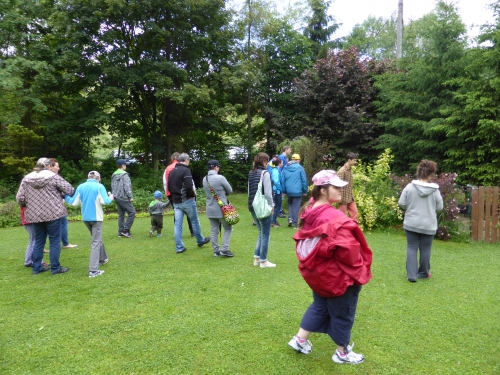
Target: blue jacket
[[91, 195], [276, 179], [294, 180]]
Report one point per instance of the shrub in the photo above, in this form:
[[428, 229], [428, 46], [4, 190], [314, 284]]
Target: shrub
[[10, 215], [375, 194]]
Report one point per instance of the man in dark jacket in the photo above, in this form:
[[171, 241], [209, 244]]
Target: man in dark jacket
[[121, 187], [183, 193]]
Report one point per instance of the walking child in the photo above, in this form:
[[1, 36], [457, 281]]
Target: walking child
[[156, 211], [334, 260]]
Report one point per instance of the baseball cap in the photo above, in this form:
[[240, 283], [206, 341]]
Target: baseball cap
[[213, 163], [295, 157], [121, 162], [95, 175], [328, 177]]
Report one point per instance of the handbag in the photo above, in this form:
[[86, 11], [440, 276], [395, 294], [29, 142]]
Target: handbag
[[260, 205], [229, 212]]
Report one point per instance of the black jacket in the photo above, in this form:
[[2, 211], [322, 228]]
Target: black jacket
[[180, 184]]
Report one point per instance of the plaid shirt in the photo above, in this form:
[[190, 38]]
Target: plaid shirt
[[42, 193], [345, 173]]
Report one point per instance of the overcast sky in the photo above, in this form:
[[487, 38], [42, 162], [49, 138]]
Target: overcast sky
[[351, 12]]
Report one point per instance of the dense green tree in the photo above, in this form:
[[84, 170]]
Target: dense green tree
[[413, 95], [148, 64], [286, 53], [374, 38], [473, 122]]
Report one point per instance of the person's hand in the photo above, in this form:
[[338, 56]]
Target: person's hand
[[131, 199]]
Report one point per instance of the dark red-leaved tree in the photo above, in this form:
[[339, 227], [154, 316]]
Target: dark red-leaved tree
[[334, 103]]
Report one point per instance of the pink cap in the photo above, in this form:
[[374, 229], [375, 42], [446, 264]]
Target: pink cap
[[328, 177]]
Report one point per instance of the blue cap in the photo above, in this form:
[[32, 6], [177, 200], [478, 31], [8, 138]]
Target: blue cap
[[158, 194], [121, 162]]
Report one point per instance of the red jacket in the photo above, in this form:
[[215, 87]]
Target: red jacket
[[332, 251], [165, 176]]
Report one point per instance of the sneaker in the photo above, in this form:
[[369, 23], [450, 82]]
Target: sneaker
[[121, 234], [180, 251], [42, 270], [275, 225], [205, 241], [104, 262], [412, 280], [267, 264], [216, 253], [226, 253], [60, 270], [96, 273], [29, 265], [304, 347], [159, 235], [127, 234], [282, 216], [350, 357], [290, 223], [256, 262], [151, 233], [69, 246]]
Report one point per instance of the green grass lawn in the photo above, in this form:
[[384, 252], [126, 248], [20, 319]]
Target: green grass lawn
[[158, 312]]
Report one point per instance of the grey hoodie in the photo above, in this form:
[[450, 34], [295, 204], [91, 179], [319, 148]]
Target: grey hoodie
[[422, 201], [121, 186]]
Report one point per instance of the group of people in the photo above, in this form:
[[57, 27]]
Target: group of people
[[334, 257], [41, 196]]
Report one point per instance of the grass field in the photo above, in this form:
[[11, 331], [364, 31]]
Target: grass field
[[158, 312]]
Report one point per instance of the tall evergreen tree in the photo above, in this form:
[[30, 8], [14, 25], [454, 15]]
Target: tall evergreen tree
[[473, 118], [413, 95]]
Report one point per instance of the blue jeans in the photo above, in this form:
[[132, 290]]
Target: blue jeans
[[293, 209], [52, 229], [64, 231], [189, 208], [264, 228], [277, 206]]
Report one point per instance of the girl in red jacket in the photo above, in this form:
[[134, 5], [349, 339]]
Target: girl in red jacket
[[334, 260]]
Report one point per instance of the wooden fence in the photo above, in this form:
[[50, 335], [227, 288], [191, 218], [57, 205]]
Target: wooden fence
[[485, 223]]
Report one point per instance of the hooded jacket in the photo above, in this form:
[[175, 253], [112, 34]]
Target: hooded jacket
[[41, 193], [156, 207], [421, 200], [121, 186], [332, 251], [276, 179], [294, 180]]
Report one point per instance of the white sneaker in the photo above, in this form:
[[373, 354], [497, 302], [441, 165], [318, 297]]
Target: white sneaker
[[96, 273], [350, 357], [256, 262], [267, 264], [305, 347]]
